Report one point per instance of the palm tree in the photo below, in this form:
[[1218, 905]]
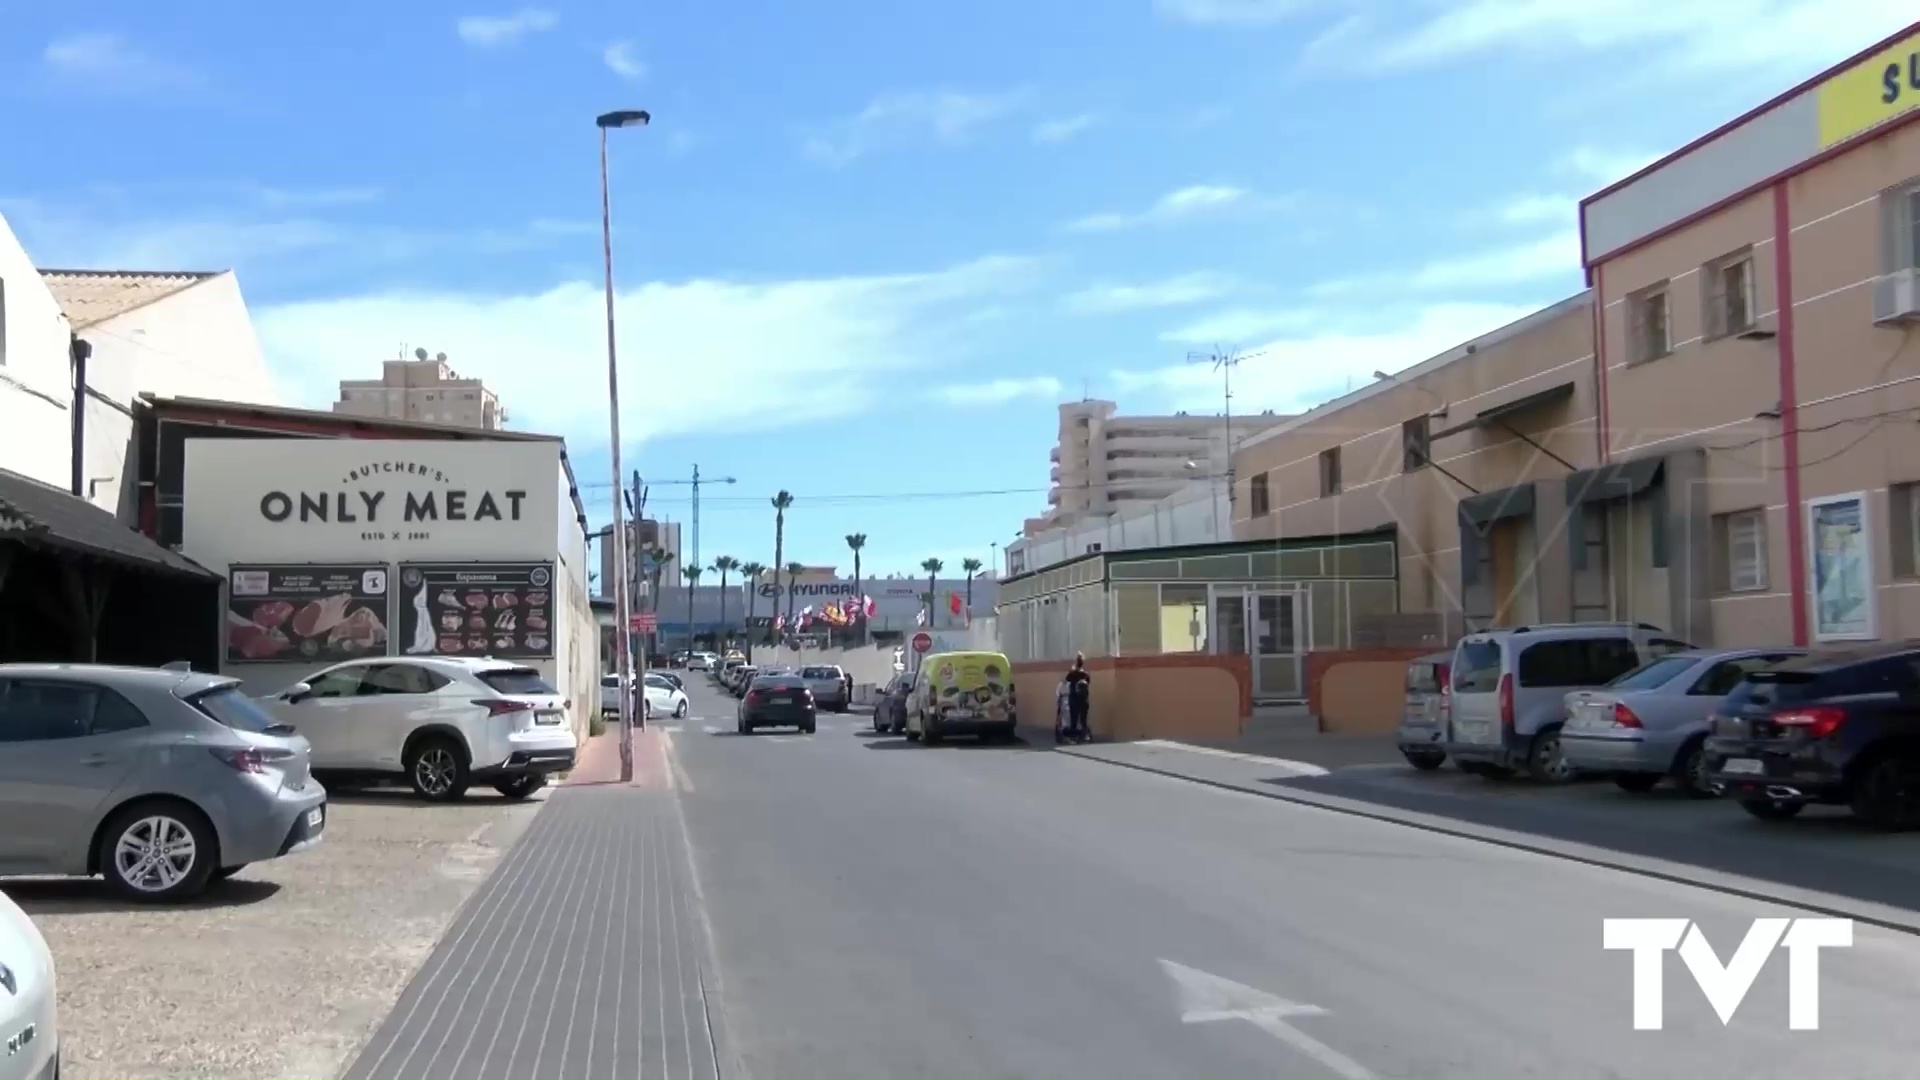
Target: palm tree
[[692, 574], [856, 541], [722, 565], [972, 567], [933, 568], [793, 571], [780, 503], [751, 572]]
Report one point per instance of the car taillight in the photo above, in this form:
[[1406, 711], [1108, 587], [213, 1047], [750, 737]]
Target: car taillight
[[250, 759], [1506, 701], [502, 707], [753, 697], [1443, 675], [1624, 717], [1818, 722]]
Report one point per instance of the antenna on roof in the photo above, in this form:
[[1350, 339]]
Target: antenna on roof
[[1224, 360], [419, 354]]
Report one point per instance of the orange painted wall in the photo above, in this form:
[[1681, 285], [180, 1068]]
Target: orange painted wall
[[1149, 697]]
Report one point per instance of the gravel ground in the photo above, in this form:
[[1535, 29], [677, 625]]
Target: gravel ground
[[282, 971]]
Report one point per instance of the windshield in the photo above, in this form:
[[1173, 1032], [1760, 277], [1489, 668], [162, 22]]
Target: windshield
[[820, 673], [1476, 667], [1654, 673], [236, 710], [522, 681]]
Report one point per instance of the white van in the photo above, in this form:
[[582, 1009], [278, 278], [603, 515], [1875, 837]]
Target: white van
[[1508, 693]]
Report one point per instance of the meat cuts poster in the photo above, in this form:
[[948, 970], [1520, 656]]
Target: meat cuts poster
[[300, 614], [477, 609]]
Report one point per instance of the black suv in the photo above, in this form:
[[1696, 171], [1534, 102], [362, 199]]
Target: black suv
[[1840, 728]]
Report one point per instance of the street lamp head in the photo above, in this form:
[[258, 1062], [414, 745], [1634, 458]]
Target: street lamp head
[[620, 118], [1381, 375]]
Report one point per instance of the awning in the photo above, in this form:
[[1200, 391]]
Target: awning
[[1505, 411], [1622, 480], [44, 516], [1479, 511]]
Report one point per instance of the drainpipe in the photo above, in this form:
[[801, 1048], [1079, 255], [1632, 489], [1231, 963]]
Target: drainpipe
[[78, 352]]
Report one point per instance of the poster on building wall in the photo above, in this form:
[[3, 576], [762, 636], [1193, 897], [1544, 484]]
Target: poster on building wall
[[476, 609], [1840, 547], [306, 613]]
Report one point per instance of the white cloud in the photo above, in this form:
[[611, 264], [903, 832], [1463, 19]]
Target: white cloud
[[620, 59], [791, 351], [1519, 264], [1780, 35], [1293, 374], [1000, 391], [944, 117], [1538, 210], [1187, 202], [110, 63], [1227, 328], [1166, 292], [491, 31], [1231, 12], [1062, 129], [1598, 167]]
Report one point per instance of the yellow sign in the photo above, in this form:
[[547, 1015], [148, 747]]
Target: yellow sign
[[1870, 93]]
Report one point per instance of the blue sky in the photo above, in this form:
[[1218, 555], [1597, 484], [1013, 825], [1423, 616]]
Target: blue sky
[[866, 248]]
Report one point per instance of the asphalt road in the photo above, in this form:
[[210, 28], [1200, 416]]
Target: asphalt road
[[882, 909]]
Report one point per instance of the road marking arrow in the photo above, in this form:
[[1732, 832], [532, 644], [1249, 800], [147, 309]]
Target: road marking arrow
[[1206, 998]]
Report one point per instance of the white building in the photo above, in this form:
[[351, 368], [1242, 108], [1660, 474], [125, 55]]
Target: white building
[[1195, 514], [156, 332], [422, 546], [36, 373], [1105, 463]]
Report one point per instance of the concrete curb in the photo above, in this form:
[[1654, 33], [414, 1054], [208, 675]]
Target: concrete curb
[[1882, 915]]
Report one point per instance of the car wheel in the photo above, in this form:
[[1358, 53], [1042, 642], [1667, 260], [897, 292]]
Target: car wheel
[[1888, 795], [159, 851], [680, 710], [806, 728], [930, 736], [1548, 761], [519, 787], [1425, 762], [437, 769], [226, 872], [1692, 770], [1772, 809], [912, 736], [1637, 782]]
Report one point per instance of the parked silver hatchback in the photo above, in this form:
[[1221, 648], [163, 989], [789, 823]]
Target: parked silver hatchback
[[159, 780], [1509, 694], [1652, 723]]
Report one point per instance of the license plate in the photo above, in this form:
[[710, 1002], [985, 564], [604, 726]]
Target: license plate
[[554, 717], [961, 714], [1744, 766], [315, 817], [780, 701]]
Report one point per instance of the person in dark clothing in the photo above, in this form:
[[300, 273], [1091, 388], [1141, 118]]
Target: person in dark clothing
[[1079, 697]]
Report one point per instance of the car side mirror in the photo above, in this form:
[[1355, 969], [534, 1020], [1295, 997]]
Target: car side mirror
[[295, 694]]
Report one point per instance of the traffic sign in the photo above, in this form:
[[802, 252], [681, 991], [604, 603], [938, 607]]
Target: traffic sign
[[923, 642], [643, 622]]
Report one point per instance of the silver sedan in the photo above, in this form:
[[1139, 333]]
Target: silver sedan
[[159, 780], [1651, 723]]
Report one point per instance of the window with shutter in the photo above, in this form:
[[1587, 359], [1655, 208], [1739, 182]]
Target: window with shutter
[[1746, 552], [1330, 471], [1257, 495], [1910, 240], [1647, 333], [1729, 294]]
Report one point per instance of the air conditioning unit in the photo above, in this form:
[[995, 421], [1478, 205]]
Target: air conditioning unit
[[1896, 297], [1093, 549]]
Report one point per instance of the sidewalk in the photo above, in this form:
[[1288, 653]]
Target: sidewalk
[[583, 953], [1823, 861]]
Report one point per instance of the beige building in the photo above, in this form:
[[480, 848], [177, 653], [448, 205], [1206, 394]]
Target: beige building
[[424, 389], [1106, 463], [1759, 292]]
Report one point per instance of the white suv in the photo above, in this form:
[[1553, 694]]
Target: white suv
[[29, 1024], [441, 722]]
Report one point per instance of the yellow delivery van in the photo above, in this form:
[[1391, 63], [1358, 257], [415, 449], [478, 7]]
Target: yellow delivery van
[[962, 693]]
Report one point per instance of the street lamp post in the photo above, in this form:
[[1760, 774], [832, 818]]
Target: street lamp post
[[622, 596]]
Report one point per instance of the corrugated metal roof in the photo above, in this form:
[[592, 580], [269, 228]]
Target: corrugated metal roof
[[38, 513], [94, 296]]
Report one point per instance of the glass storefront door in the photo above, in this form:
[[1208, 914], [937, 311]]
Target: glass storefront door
[[1268, 626]]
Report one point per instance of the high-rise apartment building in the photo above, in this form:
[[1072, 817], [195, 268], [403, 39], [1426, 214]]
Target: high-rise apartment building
[[426, 389], [1105, 462]]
